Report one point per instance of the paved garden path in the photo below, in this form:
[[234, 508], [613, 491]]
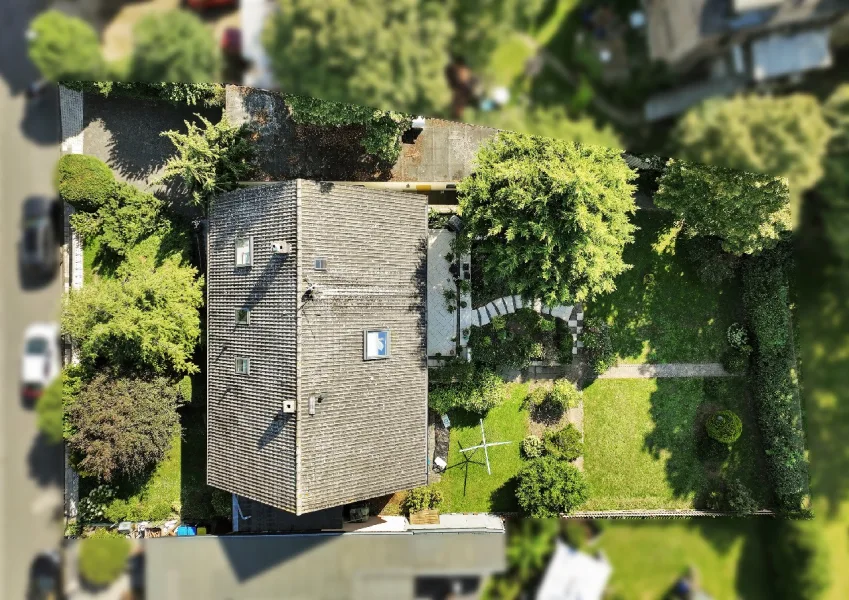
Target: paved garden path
[[665, 370]]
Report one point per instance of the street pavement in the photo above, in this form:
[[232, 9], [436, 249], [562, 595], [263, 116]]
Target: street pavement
[[31, 486]]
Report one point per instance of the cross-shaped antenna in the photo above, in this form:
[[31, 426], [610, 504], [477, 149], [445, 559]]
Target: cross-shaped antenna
[[484, 445]]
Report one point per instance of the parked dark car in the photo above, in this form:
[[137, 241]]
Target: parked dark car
[[40, 237], [45, 577]]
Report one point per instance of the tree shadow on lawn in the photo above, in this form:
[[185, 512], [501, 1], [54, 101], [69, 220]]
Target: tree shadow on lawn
[[661, 302]]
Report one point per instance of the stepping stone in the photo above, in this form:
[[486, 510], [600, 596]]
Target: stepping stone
[[574, 337], [491, 310], [580, 329], [483, 316], [508, 301], [501, 306], [517, 301], [561, 312], [574, 349], [476, 319], [580, 315], [573, 323], [580, 344]]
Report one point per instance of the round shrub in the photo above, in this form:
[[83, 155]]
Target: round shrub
[[739, 499], [549, 486], [536, 398], [532, 447], [103, 557], [599, 345], [84, 182], [92, 508], [421, 498], [735, 361], [564, 443], [564, 394], [724, 426], [487, 392], [737, 336]]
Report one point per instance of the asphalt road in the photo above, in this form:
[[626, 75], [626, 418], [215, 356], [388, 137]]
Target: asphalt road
[[31, 486]]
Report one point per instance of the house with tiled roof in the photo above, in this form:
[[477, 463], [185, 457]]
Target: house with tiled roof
[[316, 344]]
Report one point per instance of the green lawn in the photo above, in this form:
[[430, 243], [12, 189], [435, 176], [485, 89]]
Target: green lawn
[[465, 484], [660, 311], [648, 557], [642, 446]]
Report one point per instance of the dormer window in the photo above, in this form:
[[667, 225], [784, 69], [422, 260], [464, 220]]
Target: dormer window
[[245, 251]]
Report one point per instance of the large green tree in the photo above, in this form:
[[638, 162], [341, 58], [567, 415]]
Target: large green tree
[[145, 317], [174, 46], [747, 211], [384, 53], [785, 135], [550, 217], [65, 48], [120, 426]]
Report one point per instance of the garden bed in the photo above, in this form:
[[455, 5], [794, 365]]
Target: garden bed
[[645, 445]]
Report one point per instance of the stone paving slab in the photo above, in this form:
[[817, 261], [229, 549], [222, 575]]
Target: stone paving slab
[[665, 370]]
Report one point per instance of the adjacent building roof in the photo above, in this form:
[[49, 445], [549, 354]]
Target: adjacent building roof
[[778, 55], [573, 575], [310, 423]]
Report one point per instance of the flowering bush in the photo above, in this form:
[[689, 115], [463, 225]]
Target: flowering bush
[[92, 508]]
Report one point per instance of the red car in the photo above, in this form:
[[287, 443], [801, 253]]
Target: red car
[[206, 4]]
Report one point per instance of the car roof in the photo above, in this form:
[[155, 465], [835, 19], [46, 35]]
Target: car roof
[[41, 330], [36, 206]]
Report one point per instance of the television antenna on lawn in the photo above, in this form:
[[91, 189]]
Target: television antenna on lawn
[[484, 445]]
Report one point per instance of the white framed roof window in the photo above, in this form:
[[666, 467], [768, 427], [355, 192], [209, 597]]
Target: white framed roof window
[[245, 251], [243, 316], [243, 366], [376, 344]]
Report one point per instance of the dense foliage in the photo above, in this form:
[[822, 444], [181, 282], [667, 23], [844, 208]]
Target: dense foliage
[[191, 94], [747, 211], [532, 446], [122, 426], [724, 426], [386, 53], [549, 486], [210, 159], [145, 318], [737, 336], [103, 557], [565, 443], [127, 217], [735, 360], [551, 217], [92, 508], [598, 345], [784, 135], [513, 341], [49, 412], [564, 394], [711, 263], [774, 383], [174, 46], [421, 498], [473, 389], [65, 47], [85, 182]]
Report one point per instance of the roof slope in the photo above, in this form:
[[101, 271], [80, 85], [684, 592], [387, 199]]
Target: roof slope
[[367, 435]]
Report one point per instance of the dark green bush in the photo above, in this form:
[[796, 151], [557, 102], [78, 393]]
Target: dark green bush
[[549, 486], [532, 447], [537, 398], [739, 499], [84, 182], [724, 426], [103, 557], [127, 217], [421, 498], [564, 443], [735, 361], [598, 345], [472, 389], [712, 264], [564, 394], [512, 342], [765, 297]]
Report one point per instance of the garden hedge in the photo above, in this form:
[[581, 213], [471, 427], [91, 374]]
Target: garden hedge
[[474, 390], [774, 380]]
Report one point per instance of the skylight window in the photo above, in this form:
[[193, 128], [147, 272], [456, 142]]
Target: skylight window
[[244, 252], [243, 316], [376, 344], [320, 264], [243, 366]]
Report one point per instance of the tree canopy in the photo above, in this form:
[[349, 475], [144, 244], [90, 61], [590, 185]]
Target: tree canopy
[[174, 46], [747, 211], [385, 53], [550, 217], [65, 47], [549, 486], [145, 317], [121, 427], [785, 135]]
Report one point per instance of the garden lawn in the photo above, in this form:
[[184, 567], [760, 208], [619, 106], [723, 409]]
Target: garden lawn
[[660, 311], [465, 484], [649, 556], [641, 448]]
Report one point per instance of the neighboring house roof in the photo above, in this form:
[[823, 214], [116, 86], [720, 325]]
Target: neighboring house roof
[[306, 342], [778, 55], [573, 575], [338, 566], [682, 30]]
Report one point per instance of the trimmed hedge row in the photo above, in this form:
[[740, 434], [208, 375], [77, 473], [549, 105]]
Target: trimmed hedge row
[[191, 94], [775, 384], [460, 385]]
